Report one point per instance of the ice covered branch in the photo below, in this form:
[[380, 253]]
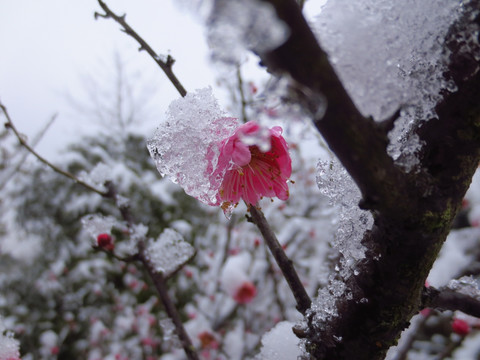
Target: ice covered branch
[[165, 65]]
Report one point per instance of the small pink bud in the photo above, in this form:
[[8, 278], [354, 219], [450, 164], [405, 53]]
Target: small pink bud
[[460, 327], [425, 312]]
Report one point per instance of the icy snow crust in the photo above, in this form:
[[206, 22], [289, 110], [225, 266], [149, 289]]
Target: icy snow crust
[[352, 222], [390, 55], [183, 147]]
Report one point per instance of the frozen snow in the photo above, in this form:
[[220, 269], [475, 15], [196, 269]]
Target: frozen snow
[[169, 251], [280, 343], [235, 26], [335, 183], [391, 55], [184, 146], [351, 223], [388, 53]]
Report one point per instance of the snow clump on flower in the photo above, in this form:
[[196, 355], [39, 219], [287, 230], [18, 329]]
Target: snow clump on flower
[[217, 160]]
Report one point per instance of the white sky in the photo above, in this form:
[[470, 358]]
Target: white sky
[[47, 46]]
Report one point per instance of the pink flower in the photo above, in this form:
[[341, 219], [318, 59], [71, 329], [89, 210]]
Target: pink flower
[[251, 173], [245, 293]]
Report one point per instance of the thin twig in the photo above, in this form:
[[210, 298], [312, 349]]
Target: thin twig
[[161, 286], [284, 263], [242, 95], [158, 279], [35, 141], [166, 66], [449, 299], [111, 193], [275, 285], [9, 125]]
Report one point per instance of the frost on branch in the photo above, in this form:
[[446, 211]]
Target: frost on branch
[[352, 222], [235, 26], [391, 55], [169, 252], [335, 183], [466, 285], [9, 347], [182, 147]]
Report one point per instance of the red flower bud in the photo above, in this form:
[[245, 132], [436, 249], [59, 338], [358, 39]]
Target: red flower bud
[[105, 241], [461, 327]]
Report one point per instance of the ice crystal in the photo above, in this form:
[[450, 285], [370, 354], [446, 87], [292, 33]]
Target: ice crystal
[[335, 183], [352, 222], [169, 251], [235, 26], [183, 147]]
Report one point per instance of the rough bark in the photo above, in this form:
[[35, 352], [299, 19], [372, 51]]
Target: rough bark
[[413, 212]]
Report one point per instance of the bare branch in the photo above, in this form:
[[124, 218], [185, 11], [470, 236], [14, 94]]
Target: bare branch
[[166, 66], [9, 124], [160, 284], [448, 299], [284, 263]]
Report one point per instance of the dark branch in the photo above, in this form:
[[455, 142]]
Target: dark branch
[[413, 212], [166, 66], [160, 284], [284, 263], [448, 299], [9, 125], [358, 142]]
